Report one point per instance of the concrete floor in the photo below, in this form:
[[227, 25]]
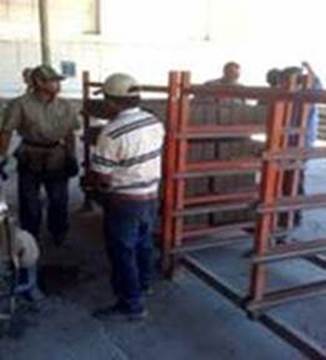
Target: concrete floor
[[187, 320]]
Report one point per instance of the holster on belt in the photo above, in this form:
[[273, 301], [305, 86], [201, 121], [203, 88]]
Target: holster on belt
[[41, 159]]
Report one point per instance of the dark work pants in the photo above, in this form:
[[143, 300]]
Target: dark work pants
[[30, 206], [27, 280], [128, 228]]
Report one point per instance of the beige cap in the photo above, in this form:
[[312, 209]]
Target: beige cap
[[120, 85], [46, 72]]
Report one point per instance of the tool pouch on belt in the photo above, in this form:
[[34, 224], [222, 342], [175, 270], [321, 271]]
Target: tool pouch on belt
[[71, 166], [51, 162], [47, 161]]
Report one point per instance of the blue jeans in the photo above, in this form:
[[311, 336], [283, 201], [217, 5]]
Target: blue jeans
[[30, 206], [128, 228]]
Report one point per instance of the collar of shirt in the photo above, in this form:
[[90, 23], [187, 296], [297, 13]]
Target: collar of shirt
[[129, 112], [42, 101]]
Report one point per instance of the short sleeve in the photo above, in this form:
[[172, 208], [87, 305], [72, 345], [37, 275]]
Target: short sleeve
[[106, 155], [12, 116], [2, 109], [74, 118]]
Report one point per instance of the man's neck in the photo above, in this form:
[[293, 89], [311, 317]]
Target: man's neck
[[133, 109], [44, 96], [122, 112]]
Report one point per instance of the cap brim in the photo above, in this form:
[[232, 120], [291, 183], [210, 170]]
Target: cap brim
[[55, 78], [134, 92]]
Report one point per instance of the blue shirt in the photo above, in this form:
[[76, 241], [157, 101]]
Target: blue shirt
[[313, 119]]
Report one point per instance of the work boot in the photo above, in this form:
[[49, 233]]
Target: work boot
[[120, 312], [34, 295]]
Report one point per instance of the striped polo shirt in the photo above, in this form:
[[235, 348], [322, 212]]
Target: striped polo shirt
[[129, 151]]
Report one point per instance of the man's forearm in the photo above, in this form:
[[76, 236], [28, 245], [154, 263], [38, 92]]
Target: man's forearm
[[4, 143], [309, 69]]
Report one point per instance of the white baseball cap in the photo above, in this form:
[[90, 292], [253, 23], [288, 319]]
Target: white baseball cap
[[120, 85]]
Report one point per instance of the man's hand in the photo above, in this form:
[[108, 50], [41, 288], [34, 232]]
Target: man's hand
[[4, 143], [72, 166], [308, 67], [3, 163], [89, 181]]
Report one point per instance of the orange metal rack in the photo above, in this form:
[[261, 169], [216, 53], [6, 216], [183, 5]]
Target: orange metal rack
[[177, 237], [286, 146], [281, 163]]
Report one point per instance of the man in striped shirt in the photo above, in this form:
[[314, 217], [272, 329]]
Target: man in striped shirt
[[127, 172]]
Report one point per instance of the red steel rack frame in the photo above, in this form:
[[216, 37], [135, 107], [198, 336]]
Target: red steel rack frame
[[281, 163]]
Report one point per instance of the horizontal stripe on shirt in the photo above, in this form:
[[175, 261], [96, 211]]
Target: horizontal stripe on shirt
[[141, 158], [99, 160], [102, 161], [147, 121], [128, 153]]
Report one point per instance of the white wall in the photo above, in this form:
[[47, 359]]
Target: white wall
[[148, 38]]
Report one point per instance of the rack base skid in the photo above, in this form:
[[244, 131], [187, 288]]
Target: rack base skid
[[298, 340], [277, 298]]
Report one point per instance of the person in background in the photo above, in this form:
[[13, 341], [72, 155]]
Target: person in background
[[273, 78], [26, 255], [313, 115], [231, 75], [46, 156], [127, 173], [18, 248], [312, 122]]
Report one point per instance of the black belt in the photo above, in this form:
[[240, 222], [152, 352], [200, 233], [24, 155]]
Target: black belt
[[41, 145], [129, 197]]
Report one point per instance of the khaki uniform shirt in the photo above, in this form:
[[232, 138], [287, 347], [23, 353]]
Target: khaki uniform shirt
[[40, 123], [220, 81], [225, 101]]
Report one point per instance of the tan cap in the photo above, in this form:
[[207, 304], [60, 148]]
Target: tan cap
[[46, 72], [120, 85]]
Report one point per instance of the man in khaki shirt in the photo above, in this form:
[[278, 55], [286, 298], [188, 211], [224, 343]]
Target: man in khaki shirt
[[230, 77], [46, 155]]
